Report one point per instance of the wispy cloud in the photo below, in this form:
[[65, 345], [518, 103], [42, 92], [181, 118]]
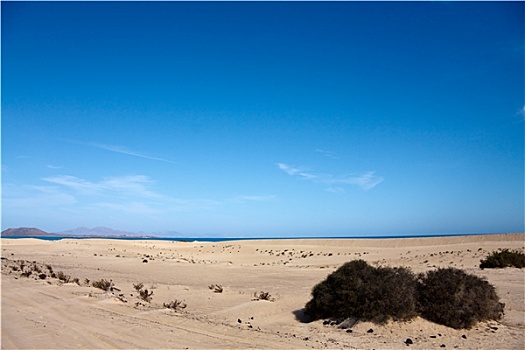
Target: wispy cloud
[[136, 208], [365, 181], [176, 205], [257, 198], [29, 197], [521, 112], [192, 204], [138, 186], [54, 167], [328, 154], [338, 190], [74, 183], [129, 199], [290, 170], [124, 150], [131, 185]]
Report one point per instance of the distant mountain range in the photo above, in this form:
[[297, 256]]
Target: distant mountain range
[[79, 231], [96, 231]]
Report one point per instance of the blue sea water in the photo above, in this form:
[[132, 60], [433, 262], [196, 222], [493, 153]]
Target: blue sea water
[[225, 239]]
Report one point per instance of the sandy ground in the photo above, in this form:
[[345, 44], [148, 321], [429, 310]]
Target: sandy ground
[[48, 314]]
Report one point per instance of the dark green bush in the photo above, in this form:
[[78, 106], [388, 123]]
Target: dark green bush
[[365, 292], [447, 296], [453, 298], [504, 258]]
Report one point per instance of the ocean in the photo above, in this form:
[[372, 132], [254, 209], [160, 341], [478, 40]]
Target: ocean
[[225, 239]]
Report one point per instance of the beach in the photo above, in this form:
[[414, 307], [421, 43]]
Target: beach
[[243, 294]]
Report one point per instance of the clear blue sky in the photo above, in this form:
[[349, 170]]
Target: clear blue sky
[[264, 119]]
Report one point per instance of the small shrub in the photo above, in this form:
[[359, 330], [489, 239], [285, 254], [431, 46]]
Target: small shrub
[[216, 288], [42, 276], [76, 281], [504, 258], [175, 305], [360, 291], [145, 295], [102, 284], [63, 277], [26, 274], [453, 298], [36, 268], [263, 296]]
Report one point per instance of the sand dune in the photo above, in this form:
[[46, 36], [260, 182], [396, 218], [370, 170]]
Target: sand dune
[[45, 313]]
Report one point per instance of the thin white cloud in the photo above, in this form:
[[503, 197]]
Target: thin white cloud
[[34, 197], [123, 150], [191, 204], [338, 190], [54, 167], [296, 171], [308, 176], [257, 198], [365, 181], [521, 112], [288, 169], [129, 208], [131, 185], [121, 198], [138, 186], [328, 154], [188, 205], [74, 183]]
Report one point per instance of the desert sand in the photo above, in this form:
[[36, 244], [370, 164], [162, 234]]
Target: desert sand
[[49, 314]]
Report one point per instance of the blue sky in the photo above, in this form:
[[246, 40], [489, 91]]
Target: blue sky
[[264, 119]]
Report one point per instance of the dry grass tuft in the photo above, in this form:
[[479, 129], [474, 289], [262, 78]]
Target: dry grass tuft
[[102, 284], [175, 305], [63, 277], [216, 288], [262, 296]]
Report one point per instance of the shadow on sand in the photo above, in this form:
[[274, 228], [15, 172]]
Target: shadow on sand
[[301, 316]]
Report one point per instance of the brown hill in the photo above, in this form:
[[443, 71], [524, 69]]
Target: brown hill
[[25, 231]]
